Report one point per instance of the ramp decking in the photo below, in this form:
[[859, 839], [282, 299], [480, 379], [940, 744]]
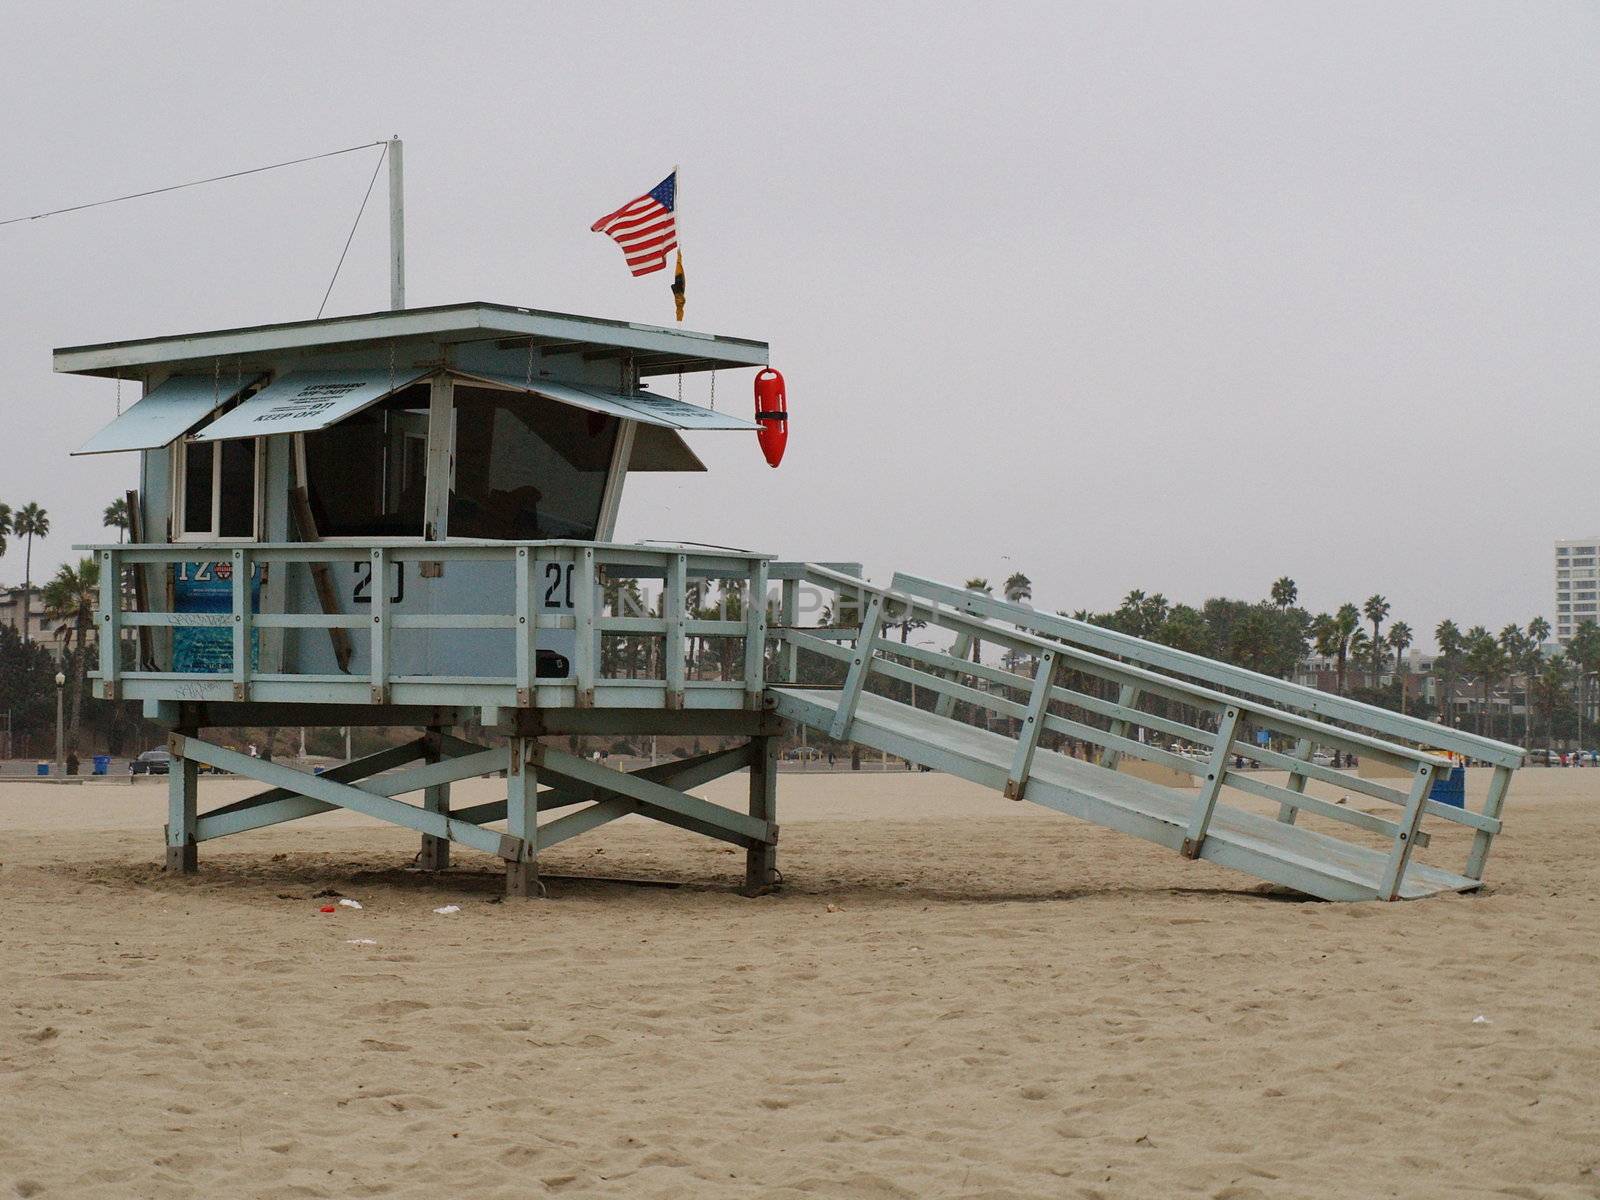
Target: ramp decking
[[1268, 849]]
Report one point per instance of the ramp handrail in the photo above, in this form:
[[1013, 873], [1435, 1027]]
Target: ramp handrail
[[1239, 679], [942, 674]]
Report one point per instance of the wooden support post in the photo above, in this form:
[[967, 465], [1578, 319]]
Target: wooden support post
[[435, 854], [321, 579], [761, 860], [527, 669], [242, 566], [110, 622], [1499, 784], [1406, 840], [1032, 727], [1297, 781], [183, 793], [789, 617], [675, 651], [1127, 697], [1216, 769], [755, 635], [520, 846], [945, 705], [860, 665], [586, 647], [379, 652]]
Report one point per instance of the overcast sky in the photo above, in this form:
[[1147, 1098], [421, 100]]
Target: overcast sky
[[1166, 296]]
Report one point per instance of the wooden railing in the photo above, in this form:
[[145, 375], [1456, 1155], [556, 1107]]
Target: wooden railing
[[371, 676], [1101, 689]]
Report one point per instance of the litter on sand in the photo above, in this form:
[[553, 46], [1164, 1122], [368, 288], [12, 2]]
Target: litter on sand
[[1480, 1019], [361, 942], [448, 908], [350, 903], [327, 908]]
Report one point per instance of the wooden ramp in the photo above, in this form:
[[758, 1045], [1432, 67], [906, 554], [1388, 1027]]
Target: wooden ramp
[[1268, 849], [1054, 685]]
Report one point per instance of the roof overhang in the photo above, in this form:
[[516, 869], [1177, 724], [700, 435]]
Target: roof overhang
[[653, 349]]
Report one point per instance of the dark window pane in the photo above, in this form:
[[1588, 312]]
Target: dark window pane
[[197, 458], [365, 474], [238, 488], [527, 468]]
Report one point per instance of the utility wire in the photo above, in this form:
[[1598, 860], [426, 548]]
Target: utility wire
[[353, 227], [55, 212]]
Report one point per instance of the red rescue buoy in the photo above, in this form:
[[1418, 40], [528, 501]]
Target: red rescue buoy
[[772, 414]]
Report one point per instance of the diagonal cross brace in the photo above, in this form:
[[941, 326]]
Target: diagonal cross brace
[[375, 802], [672, 803]]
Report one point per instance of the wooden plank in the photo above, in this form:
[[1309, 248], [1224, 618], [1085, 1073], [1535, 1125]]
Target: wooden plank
[[321, 579], [1297, 780], [675, 612], [755, 634], [860, 664], [761, 858], [434, 854], [183, 791], [585, 665], [945, 705], [1127, 698], [520, 846], [1211, 786], [378, 647], [1493, 803], [241, 590], [1032, 727], [527, 669], [1405, 840], [110, 632], [569, 767]]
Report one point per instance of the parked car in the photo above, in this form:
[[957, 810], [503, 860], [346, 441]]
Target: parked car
[[152, 762]]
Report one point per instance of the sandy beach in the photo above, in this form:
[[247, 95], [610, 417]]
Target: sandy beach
[[953, 996]]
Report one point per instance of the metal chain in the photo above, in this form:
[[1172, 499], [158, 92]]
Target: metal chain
[[680, 387], [391, 368], [119, 393], [530, 364], [713, 391]]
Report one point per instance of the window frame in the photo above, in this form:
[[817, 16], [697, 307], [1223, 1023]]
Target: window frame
[[180, 494]]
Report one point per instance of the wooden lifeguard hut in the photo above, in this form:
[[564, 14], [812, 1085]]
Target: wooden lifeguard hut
[[403, 519], [406, 519]]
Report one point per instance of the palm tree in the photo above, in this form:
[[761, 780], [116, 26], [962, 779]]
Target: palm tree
[[70, 598], [30, 522], [1486, 660], [1451, 645], [1583, 648], [1376, 610], [117, 517], [1284, 592], [977, 585], [5, 526], [1343, 625], [1400, 641], [1018, 588]]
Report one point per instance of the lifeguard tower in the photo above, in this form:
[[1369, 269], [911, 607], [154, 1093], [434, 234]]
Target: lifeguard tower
[[406, 519]]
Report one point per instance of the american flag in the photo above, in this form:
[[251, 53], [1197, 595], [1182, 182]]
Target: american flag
[[645, 228]]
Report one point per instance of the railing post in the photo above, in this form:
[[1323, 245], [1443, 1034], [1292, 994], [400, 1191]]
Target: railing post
[[755, 634], [1297, 781], [585, 650], [1032, 727], [241, 624], [1127, 697], [789, 617], [1405, 841], [945, 705], [860, 664], [1499, 784], [527, 628], [1216, 769], [380, 626], [676, 651], [110, 623]]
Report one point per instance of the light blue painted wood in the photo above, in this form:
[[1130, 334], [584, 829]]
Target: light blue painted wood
[[1127, 700], [945, 705], [861, 660], [1297, 780], [1405, 839], [1205, 803], [570, 768], [520, 847], [109, 620], [1493, 803], [1032, 727]]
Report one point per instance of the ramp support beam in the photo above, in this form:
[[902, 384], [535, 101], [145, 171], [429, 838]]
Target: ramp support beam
[[1406, 840], [761, 858], [1206, 803], [1032, 727], [183, 792], [435, 854], [520, 845], [1297, 781]]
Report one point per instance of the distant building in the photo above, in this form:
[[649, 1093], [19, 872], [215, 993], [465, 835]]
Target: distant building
[[40, 628], [1575, 585]]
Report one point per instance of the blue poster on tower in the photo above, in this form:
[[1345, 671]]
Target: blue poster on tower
[[207, 587]]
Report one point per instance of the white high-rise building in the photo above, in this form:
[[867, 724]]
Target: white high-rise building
[[1576, 577]]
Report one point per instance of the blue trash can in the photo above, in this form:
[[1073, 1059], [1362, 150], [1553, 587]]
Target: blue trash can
[[102, 764], [42, 769], [1451, 788]]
